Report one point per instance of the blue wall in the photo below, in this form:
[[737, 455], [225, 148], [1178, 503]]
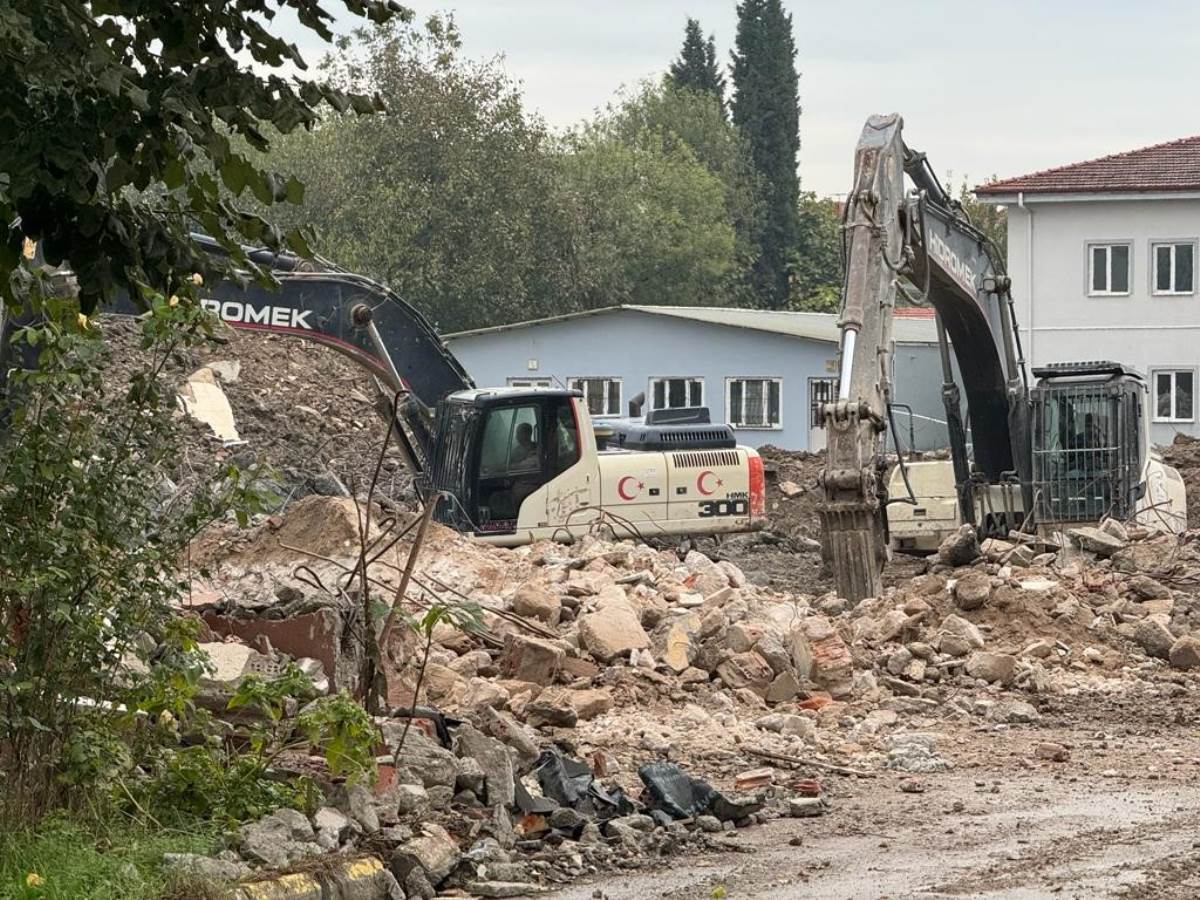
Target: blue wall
[[636, 347]]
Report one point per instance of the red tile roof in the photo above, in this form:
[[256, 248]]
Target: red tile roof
[[913, 312], [1173, 166]]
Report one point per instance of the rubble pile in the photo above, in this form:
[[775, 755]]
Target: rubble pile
[[304, 411], [619, 703], [1184, 454]]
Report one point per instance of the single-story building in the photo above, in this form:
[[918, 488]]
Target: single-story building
[[765, 373]]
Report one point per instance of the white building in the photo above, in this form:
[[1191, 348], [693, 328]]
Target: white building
[[1102, 256]]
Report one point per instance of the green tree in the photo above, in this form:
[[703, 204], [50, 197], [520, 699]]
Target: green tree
[[817, 282], [464, 204], [648, 223], [989, 218], [102, 101], [91, 554], [766, 109], [697, 69], [447, 197], [667, 117]]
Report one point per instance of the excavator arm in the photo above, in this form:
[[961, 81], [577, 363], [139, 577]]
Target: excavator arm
[[922, 244], [349, 313]]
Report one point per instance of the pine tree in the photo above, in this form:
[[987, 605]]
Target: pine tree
[[696, 69], [766, 108]]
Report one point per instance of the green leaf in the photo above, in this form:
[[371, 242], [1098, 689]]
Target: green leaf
[[295, 190], [174, 173], [235, 172], [298, 243], [109, 80]]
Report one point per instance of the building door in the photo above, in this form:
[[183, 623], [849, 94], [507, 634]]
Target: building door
[[820, 392]]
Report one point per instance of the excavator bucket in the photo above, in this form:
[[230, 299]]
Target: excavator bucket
[[855, 549]]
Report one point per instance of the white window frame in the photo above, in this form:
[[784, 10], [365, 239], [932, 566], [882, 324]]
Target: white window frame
[[522, 381], [607, 379], [1172, 371], [654, 379], [739, 426], [1167, 242], [1089, 267]]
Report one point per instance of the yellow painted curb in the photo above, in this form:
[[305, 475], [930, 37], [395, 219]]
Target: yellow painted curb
[[345, 880], [298, 886]]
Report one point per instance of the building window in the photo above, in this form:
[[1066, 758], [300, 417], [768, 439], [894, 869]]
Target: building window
[[753, 402], [603, 395], [1108, 269], [523, 382], [820, 392], [1173, 267], [1174, 395], [676, 393]]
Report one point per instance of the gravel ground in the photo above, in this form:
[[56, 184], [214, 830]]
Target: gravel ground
[[1118, 819]]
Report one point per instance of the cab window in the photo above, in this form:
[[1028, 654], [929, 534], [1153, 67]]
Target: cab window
[[510, 441], [566, 439]]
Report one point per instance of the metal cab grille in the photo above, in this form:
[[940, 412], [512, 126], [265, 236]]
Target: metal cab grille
[[1086, 452], [705, 459]]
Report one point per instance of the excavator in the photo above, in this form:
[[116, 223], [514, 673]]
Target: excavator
[[506, 466], [1070, 449]]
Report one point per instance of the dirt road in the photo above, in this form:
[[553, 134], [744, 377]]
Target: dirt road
[[1120, 819], [1043, 838]]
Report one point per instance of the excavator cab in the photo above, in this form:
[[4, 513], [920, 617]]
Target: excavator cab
[[1088, 441], [495, 448]]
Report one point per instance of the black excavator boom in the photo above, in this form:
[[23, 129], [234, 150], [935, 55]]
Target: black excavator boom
[[349, 313]]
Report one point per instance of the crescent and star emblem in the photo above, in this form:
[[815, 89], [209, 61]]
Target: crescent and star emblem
[[700, 485], [625, 491]]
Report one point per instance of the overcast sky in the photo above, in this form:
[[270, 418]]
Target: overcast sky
[[985, 86]]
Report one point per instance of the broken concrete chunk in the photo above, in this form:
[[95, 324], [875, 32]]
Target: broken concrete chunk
[[590, 702], [1115, 528], [332, 827], [424, 758], [995, 667], [785, 687], [972, 590], [552, 708], [612, 632], [960, 548], [1153, 636], [680, 649], [279, 839], [1185, 653], [746, 670], [203, 400], [1146, 588], [512, 733], [1096, 541], [535, 600], [832, 666], [743, 636], [735, 576], [1052, 751], [790, 489], [207, 868], [958, 637], [493, 758], [434, 852], [788, 723], [357, 802], [530, 659]]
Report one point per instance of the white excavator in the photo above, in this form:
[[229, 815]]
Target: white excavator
[[506, 466], [1069, 449]]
